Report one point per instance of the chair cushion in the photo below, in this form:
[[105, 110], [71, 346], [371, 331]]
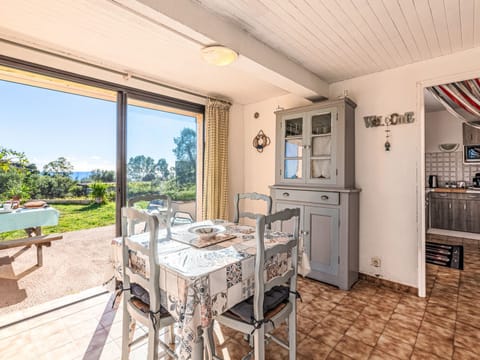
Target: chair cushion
[[141, 300], [140, 293], [145, 308], [273, 298]]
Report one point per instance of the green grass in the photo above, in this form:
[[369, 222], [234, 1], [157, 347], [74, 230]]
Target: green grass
[[74, 217]]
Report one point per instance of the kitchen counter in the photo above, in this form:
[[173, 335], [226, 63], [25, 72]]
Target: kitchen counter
[[453, 190]]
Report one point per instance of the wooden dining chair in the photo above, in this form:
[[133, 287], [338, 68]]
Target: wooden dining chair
[[274, 299], [141, 295], [250, 196], [156, 204]]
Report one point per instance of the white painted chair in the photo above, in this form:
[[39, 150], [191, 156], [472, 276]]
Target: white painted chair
[[253, 317], [141, 297], [251, 196]]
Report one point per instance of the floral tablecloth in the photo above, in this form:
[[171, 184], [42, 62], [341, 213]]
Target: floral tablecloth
[[198, 284]]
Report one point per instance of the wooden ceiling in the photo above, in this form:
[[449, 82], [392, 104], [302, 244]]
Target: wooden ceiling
[[342, 39]]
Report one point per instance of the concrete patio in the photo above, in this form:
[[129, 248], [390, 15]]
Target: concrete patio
[[78, 262]]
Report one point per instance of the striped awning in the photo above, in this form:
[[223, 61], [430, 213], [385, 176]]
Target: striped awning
[[461, 99]]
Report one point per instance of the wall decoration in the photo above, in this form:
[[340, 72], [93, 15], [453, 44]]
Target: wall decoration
[[261, 141], [392, 119], [388, 136]]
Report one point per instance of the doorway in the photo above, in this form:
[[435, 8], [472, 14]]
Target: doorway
[[444, 208]]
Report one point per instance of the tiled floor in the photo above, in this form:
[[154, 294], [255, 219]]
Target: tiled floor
[[368, 322]]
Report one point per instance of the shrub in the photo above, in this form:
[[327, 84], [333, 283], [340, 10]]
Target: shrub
[[99, 192]]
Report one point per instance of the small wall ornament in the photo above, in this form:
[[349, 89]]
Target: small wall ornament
[[261, 141]]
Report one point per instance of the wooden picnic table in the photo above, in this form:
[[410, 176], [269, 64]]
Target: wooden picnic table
[[30, 220]]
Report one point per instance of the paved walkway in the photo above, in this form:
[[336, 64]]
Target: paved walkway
[[78, 262]]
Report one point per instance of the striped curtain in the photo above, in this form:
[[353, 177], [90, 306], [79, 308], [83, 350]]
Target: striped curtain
[[461, 99], [215, 185]]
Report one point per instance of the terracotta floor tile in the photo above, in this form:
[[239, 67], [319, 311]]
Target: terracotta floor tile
[[463, 354], [336, 355], [468, 318], [436, 331], [394, 347], [320, 304], [394, 330], [353, 303], [345, 312], [440, 321], [326, 335], [313, 349], [405, 321], [273, 351], [380, 355], [423, 355], [441, 311], [468, 340], [365, 335], [336, 323], [415, 301], [375, 311], [441, 348], [305, 324], [370, 321], [410, 311], [354, 348]]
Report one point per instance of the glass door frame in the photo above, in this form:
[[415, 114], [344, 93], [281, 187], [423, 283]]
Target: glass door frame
[[122, 93], [122, 182]]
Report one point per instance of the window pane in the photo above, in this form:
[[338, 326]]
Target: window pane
[[294, 127], [162, 154], [293, 148], [293, 169], [321, 124]]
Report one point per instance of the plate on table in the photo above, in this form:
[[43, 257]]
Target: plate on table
[[5, 211]]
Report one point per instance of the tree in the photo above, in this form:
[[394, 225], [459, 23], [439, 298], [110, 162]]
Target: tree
[[56, 182], [102, 175], [61, 167], [141, 168], [186, 154], [162, 169], [9, 157]]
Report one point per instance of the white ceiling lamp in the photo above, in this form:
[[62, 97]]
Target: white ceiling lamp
[[219, 55]]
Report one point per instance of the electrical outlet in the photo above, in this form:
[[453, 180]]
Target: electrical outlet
[[375, 261]]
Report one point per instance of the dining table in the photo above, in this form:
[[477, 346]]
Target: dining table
[[200, 279]]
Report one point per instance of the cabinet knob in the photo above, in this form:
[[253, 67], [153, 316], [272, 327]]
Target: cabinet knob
[[306, 233], [324, 197], [286, 194]]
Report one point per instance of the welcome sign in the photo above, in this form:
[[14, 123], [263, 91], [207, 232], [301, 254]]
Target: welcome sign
[[392, 119]]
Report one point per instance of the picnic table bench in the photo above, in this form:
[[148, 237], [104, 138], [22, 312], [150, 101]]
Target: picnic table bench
[[39, 241]]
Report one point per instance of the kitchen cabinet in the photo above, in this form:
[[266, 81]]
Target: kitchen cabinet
[[455, 211], [317, 144], [471, 135], [329, 228]]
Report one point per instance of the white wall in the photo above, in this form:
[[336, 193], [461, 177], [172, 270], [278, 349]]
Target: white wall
[[441, 127], [388, 201]]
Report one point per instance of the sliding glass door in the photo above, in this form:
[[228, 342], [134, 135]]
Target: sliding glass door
[[164, 154]]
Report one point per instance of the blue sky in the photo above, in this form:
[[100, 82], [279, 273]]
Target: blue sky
[[47, 124]]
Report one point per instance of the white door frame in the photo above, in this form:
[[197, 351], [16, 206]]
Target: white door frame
[[421, 225]]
